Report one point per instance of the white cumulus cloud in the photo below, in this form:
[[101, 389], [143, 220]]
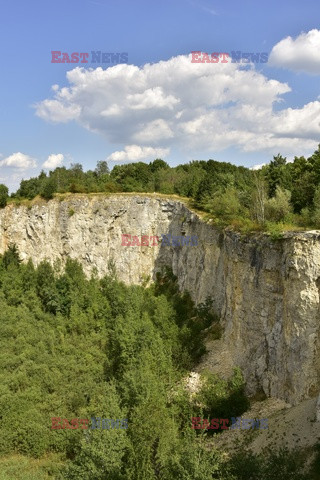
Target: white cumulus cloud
[[58, 111], [18, 160], [301, 54], [134, 153], [258, 166], [53, 161], [192, 107]]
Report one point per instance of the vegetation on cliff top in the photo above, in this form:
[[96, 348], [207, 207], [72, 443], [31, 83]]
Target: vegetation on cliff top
[[280, 196]]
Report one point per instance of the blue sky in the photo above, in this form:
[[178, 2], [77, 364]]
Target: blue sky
[[171, 108]]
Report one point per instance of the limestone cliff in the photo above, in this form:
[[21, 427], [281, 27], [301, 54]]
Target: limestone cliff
[[266, 292]]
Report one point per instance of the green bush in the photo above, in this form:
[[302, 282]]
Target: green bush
[[225, 205], [48, 189], [275, 230], [278, 207], [219, 398], [3, 195]]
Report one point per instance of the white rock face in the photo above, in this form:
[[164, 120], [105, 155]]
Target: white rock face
[[267, 293], [318, 409]]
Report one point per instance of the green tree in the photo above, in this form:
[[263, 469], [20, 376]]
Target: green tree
[[259, 198], [3, 195], [11, 256], [29, 188], [49, 188], [277, 174], [225, 205], [102, 168], [158, 164], [278, 207], [315, 215]]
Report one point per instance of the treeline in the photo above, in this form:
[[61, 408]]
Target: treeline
[[73, 347], [185, 180], [280, 194]]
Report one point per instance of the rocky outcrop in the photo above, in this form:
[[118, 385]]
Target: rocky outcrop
[[266, 292]]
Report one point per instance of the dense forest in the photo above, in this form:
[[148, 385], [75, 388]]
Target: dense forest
[[279, 196], [73, 347]]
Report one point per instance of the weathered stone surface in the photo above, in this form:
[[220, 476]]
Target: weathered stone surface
[[318, 409], [267, 293]]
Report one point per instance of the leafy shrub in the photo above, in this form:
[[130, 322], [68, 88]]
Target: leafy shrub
[[278, 207], [48, 189], [219, 398], [3, 195], [275, 230]]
